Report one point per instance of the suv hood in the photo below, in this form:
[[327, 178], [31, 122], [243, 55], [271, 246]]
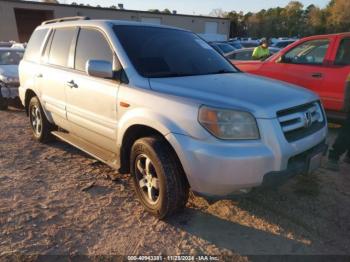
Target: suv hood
[[9, 70], [261, 96]]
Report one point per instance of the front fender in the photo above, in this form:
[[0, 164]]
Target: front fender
[[146, 117]]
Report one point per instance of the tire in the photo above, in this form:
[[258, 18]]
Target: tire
[[40, 126], [169, 187], [3, 102]]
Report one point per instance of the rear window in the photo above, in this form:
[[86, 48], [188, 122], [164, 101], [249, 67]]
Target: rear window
[[162, 52], [343, 55], [60, 46], [33, 49]]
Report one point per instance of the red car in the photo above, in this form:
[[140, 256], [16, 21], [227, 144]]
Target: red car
[[319, 63]]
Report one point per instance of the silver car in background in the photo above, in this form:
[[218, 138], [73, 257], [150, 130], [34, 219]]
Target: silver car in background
[[160, 103], [9, 81]]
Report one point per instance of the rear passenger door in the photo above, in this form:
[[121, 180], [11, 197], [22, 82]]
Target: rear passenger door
[[92, 101], [53, 73]]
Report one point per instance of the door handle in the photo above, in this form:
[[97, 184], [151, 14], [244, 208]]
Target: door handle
[[317, 75], [72, 84]]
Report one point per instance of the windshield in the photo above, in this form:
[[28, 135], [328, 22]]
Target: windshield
[[10, 57], [161, 52]]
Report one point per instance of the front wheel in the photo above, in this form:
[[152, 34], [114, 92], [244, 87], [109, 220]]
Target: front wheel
[[41, 127], [158, 177]]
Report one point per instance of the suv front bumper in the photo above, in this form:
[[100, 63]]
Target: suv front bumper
[[219, 168]]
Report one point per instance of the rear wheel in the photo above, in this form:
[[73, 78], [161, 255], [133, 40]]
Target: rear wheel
[[41, 127], [159, 180]]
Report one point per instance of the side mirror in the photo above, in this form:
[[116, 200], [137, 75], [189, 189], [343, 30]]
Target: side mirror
[[99, 68]]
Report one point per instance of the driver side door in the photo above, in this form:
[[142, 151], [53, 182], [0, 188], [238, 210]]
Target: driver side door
[[305, 65], [92, 101]]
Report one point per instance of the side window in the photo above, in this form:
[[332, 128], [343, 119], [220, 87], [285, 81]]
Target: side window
[[91, 45], [33, 49], [232, 56], [60, 46], [245, 55], [311, 53], [343, 55]]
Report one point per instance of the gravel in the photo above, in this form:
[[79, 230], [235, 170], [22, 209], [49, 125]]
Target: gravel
[[56, 200]]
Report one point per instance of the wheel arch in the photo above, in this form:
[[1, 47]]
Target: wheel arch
[[134, 133], [29, 93]]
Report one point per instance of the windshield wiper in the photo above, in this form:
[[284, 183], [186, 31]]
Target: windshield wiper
[[172, 74], [223, 71]]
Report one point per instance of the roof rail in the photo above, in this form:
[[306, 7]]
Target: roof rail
[[64, 19]]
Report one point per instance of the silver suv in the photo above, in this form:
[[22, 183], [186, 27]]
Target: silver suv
[[161, 104]]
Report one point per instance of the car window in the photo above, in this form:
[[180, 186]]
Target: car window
[[311, 52], [91, 45], [284, 44], [245, 55], [163, 52], [60, 46], [343, 55], [10, 57], [226, 48], [33, 49]]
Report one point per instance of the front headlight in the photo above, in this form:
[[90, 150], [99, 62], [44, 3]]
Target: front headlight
[[228, 124]]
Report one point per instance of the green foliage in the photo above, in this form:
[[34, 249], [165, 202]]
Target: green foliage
[[292, 20]]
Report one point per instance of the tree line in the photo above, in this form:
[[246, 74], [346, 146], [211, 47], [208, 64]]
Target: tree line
[[291, 20]]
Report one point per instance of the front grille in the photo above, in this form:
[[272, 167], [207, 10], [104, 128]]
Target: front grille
[[301, 121]]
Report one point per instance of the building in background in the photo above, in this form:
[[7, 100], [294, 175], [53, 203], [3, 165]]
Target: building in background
[[18, 19]]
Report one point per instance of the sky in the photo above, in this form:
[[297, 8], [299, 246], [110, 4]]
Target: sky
[[198, 7]]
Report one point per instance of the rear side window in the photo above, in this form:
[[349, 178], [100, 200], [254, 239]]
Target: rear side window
[[60, 46], [33, 49], [91, 45], [343, 55], [311, 52]]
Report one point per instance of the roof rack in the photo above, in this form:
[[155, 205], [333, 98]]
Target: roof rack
[[65, 19]]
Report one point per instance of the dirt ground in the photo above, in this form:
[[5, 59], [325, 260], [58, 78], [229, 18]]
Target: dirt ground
[[56, 200]]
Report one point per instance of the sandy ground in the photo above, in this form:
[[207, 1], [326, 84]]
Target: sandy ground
[[56, 200]]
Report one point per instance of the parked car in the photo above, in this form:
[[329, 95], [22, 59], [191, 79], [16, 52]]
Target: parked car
[[235, 44], [246, 54], [9, 82], [176, 116], [222, 48], [19, 45], [5, 44], [319, 63], [247, 44], [282, 43]]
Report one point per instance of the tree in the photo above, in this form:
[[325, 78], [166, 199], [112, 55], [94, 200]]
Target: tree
[[339, 16], [50, 1], [154, 10], [166, 11]]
